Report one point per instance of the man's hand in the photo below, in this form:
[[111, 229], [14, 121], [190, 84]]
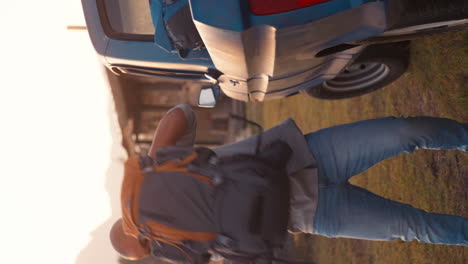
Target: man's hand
[[171, 128]]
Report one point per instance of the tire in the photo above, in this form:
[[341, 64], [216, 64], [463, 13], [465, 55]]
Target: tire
[[377, 66]]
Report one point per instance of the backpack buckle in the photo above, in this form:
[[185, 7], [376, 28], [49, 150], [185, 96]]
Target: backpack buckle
[[144, 230], [225, 241], [146, 163], [213, 160], [148, 169], [217, 179]]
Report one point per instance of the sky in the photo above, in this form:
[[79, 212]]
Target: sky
[[61, 160]]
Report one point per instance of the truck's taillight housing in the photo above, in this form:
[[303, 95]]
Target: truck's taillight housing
[[269, 7]]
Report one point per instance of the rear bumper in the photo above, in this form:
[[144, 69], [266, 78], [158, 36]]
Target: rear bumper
[[294, 64]]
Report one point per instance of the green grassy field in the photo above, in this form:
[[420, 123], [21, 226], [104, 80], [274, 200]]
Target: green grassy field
[[436, 84]]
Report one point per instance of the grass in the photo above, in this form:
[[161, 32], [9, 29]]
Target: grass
[[436, 84]]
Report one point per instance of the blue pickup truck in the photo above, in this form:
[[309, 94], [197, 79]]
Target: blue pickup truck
[[257, 50]]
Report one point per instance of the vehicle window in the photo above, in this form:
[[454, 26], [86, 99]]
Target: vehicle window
[[129, 17]]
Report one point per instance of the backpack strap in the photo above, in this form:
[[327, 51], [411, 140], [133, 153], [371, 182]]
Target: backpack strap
[[156, 230], [130, 191], [180, 166]]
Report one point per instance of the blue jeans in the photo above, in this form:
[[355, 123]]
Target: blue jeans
[[345, 210]]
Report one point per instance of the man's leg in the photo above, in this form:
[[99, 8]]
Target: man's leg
[[346, 150], [349, 211]]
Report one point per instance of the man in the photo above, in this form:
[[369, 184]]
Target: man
[[322, 200]]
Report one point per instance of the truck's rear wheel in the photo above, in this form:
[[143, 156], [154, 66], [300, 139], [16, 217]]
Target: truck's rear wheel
[[375, 68]]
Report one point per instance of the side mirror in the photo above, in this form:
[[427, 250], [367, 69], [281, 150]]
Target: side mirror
[[208, 96]]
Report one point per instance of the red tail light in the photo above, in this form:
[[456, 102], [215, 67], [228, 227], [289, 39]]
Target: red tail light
[[269, 7]]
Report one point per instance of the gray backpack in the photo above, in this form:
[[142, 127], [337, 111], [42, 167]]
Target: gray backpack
[[242, 199]]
